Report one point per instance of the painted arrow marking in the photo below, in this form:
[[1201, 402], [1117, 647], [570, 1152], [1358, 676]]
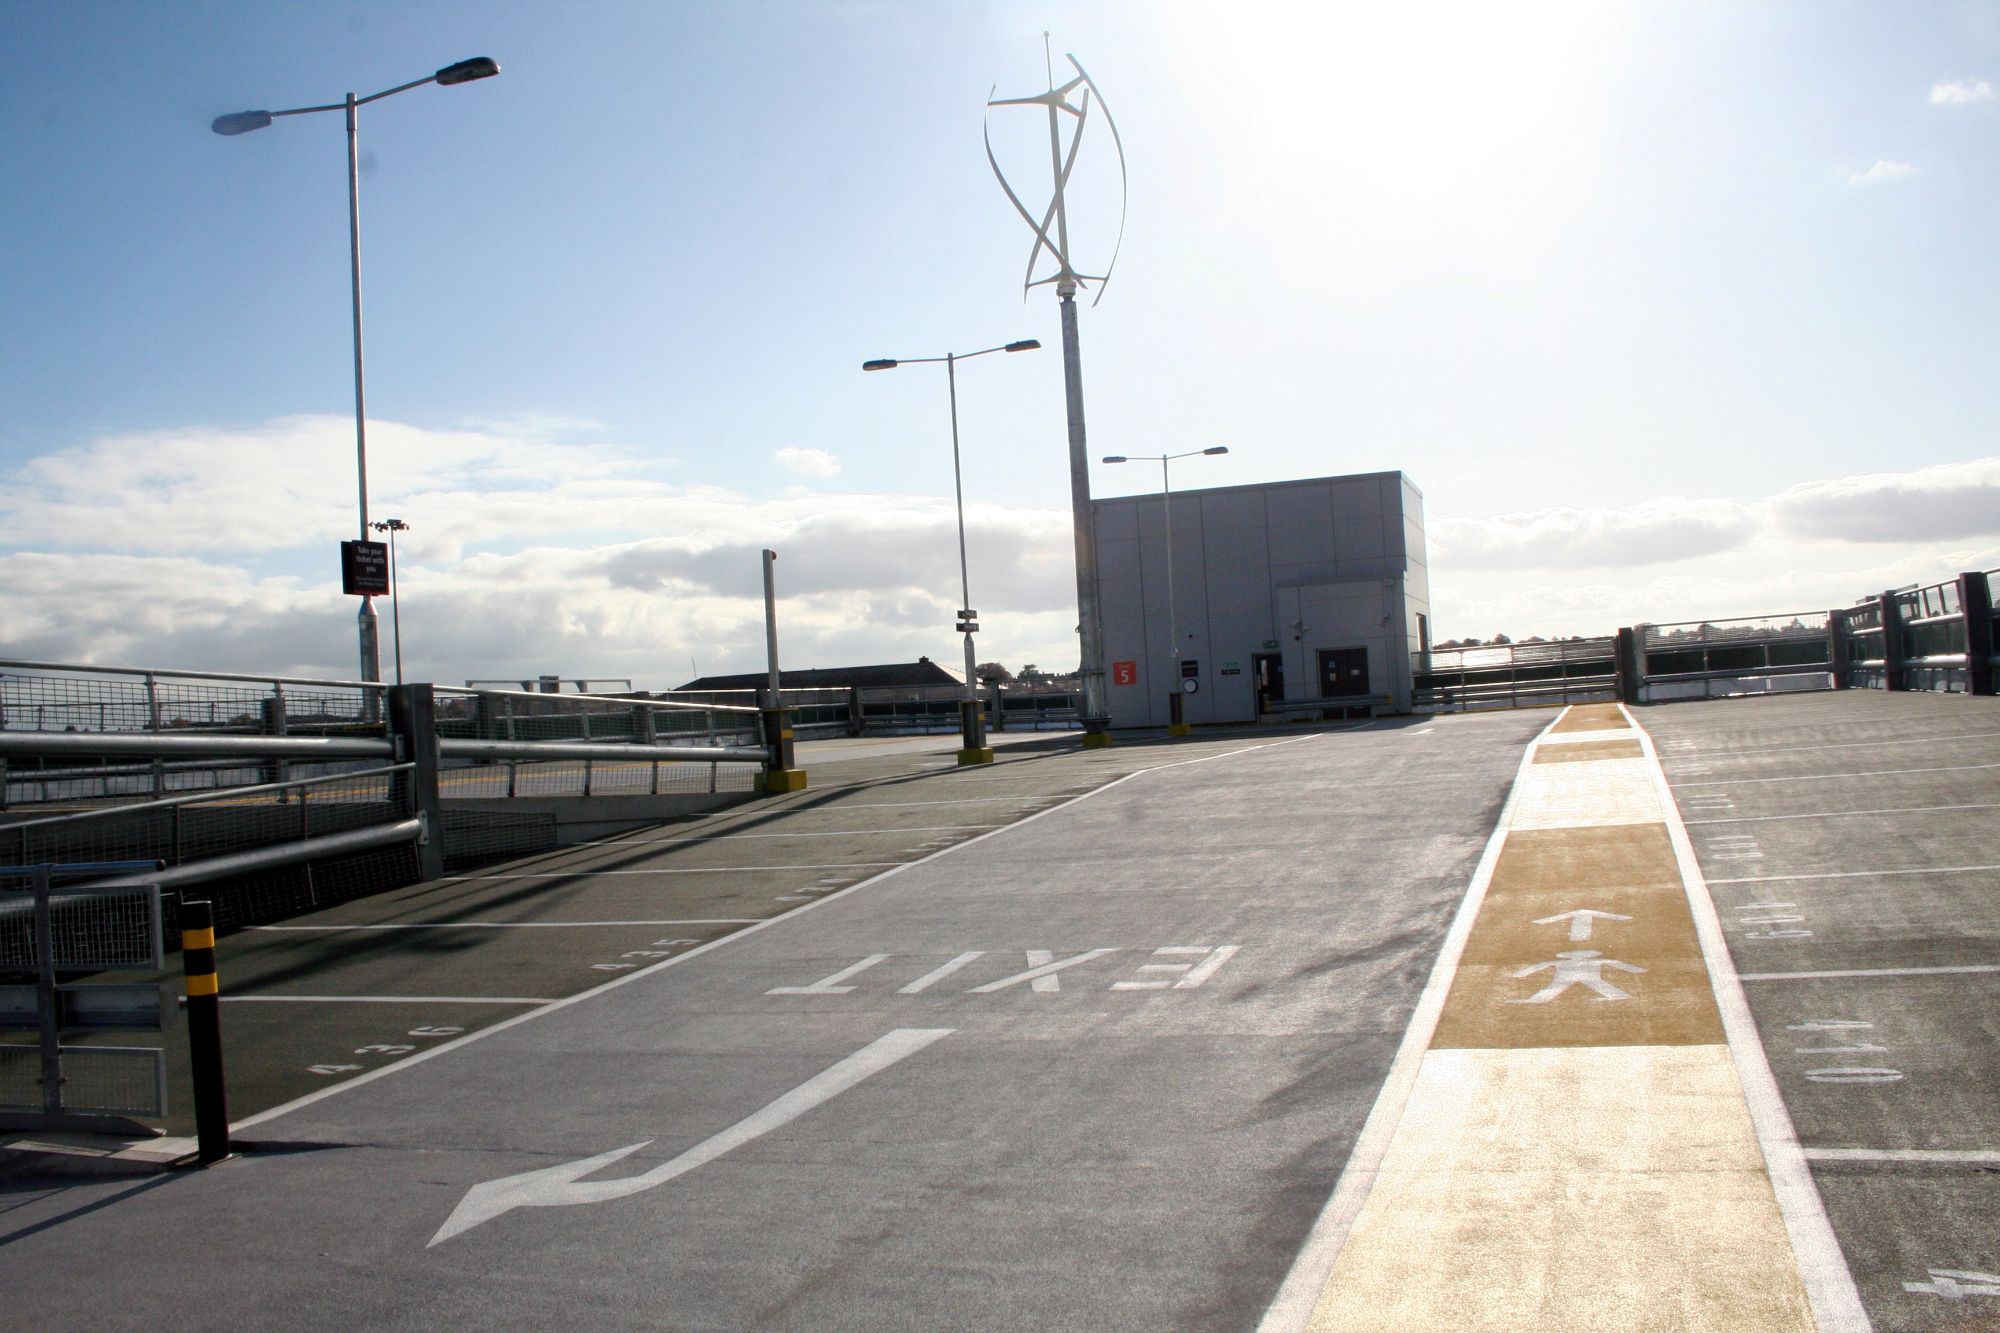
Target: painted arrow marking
[[559, 1186], [1580, 920]]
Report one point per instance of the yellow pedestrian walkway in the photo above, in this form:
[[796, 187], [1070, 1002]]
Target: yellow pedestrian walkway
[[1572, 1146]]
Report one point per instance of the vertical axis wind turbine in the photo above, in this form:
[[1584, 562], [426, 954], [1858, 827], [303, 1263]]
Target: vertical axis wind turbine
[[1052, 236]]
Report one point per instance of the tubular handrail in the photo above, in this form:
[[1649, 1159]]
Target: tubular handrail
[[157, 672], [620, 700], [206, 797]]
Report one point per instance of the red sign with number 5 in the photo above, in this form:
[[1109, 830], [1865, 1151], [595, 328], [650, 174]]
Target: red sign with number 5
[[1124, 673]]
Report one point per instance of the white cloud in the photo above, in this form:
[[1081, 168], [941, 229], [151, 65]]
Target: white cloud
[[1882, 173], [1959, 92], [213, 549], [807, 462], [1946, 502], [1647, 533]]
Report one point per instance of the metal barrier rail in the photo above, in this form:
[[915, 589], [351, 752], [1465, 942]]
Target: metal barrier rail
[[63, 696], [1515, 694], [296, 795]]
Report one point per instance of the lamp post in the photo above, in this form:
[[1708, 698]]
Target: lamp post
[[1175, 727], [242, 122], [972, 726], [392, 526]]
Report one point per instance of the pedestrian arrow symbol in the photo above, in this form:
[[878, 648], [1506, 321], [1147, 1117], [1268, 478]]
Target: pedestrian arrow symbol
[[1580, 920], [1576, 967]]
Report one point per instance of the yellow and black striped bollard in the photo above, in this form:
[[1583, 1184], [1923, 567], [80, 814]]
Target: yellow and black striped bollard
[[204, 1020]]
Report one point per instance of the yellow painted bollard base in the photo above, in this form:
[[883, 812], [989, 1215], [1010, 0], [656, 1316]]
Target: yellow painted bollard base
[[1096, 740], [1179, 729], [777, 781], [979, 756]]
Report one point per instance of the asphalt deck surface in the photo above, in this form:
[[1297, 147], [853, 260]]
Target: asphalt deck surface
[[1081, 1040]]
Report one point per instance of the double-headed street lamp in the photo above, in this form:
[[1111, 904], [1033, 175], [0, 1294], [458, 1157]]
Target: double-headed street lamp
[[1175, 726], [392, 526], [242, 122], [971, 725]]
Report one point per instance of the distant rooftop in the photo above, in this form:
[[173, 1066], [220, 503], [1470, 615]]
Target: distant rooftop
[[893, 675]]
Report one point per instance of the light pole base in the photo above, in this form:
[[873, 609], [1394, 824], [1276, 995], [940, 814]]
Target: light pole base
[[975, 756], [778, 781], [1096, 740], [1179, 729]]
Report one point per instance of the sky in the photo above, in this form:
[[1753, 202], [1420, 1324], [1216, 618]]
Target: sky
[[1673, 311]]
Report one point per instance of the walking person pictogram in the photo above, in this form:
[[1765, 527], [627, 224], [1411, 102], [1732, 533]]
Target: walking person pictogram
[[1579, 967]]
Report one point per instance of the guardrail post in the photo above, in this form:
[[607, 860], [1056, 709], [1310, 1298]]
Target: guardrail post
[[780, 775], [1629, 665], [1839, 649], [204, 1024], [854, 710], [413, 724], [1892, 641], [275, 723], [1975, 599]]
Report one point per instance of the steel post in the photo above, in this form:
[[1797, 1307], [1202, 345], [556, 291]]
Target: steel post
[[1095, 714]]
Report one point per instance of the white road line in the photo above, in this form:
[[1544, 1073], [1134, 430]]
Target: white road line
[[924, 982], [627, 978], [1932, 1156], [1857, 874], [1851, 745], [1846, 814], [1292, 1308], [1965, 970], [586, 871], [837, 833], [556, 1186], [1824, 777], [379, 999], [1823, 1268], [525, 925]]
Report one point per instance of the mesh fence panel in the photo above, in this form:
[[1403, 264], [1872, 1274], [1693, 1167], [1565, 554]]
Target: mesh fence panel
[[272, 895], [115, 1080], [479, 837], [205, 827], [91, 929], [110, 702], [20, 1077]]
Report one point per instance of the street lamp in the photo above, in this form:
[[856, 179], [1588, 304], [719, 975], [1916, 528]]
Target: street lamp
[[242, 122], [971, 726], [1175, 727], [392, 526]]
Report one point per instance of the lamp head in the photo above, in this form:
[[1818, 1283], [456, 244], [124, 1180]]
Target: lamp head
[[1025, 345], [883, 363], [240, 122], [465, 71], [1218, 449], [1114, 458]]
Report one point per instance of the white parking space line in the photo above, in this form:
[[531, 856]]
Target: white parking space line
[[1831, 777], [1838, 745], [1968, 969], [1857, 874], [1848, 814], [586, 871], [1927, 1156], [524, 925], [382, 999], [963, 800], [837, 833]]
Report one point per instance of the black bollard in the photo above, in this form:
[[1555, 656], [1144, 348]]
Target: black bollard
[[204, 1021]]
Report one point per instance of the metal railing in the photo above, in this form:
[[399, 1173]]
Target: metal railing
[[73, 697], [1517, 675], [1753, 654]]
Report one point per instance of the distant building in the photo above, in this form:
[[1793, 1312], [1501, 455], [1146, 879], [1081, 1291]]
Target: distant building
[[1290, 592], [894, 675]]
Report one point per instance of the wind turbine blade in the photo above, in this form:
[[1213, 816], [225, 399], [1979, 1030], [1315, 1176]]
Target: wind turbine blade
[[1124, 179]]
